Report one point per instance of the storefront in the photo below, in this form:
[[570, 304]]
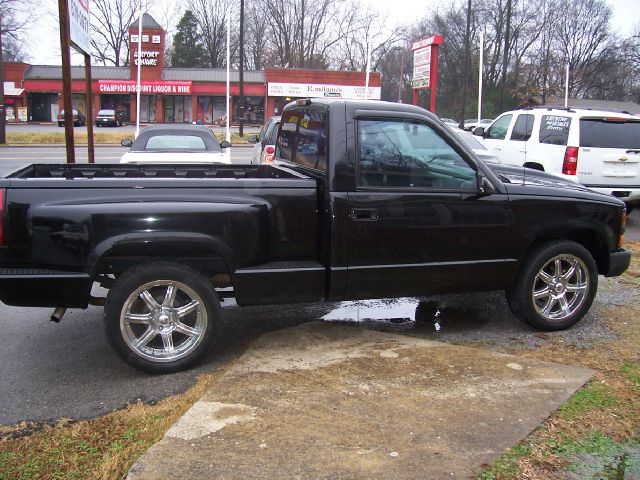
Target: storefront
[[119, 103], [285, 85], [179, 95]]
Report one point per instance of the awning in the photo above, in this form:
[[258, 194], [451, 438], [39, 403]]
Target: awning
[[13, 91]]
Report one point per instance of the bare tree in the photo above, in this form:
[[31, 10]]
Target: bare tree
[[353, 32], [212, 20], [584, 41], [109, 29], [15, 18], [256, 36]]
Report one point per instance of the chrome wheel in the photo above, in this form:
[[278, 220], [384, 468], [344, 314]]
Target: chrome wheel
[[163, 321], [560, 287]]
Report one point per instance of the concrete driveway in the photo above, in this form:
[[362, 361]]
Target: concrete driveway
[[333, 401]]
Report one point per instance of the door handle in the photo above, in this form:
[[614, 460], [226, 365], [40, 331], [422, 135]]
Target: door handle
[[364, 214]]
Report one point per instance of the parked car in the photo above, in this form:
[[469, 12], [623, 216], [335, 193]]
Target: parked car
[[79, 118], [600, 149], [109, 118], [265, 142], [476, 145], [472, 124], [450, 121], [365, 199], [176, 144]]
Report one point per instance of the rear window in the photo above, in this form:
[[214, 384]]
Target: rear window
[[176, 142], [302, 137], [604, 133], [107, 112], [264, 129], [554, 129]]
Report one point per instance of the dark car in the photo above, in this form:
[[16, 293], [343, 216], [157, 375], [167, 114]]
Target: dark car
[[109, 118], [79, 118]]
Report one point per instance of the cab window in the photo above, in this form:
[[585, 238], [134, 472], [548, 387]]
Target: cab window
[[395, 153], [498, 129], [302, 138]]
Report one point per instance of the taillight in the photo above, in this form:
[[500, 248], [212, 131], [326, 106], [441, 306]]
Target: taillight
[[570, 163], [623, 227], [269, 151], [1, 217]]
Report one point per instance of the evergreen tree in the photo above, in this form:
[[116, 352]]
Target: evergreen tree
[[188, 50]]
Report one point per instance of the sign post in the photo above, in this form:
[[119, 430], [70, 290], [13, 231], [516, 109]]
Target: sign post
[[74, 32], [425, 67]]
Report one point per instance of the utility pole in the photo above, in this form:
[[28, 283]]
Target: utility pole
[[65, 46], [241, 129], [3, 135], [89, 101], [505, 55], [465, 80]]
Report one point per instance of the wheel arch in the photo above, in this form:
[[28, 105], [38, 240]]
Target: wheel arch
[[534, 166], [205, 254], [592, 240]]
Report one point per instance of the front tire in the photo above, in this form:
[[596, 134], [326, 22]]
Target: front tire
[[161, 317], [555, 287]]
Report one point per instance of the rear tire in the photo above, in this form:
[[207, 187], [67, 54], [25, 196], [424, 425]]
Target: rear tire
[[555, 287], [161, 317]]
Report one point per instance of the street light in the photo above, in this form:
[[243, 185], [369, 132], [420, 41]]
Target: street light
[[395, 49]]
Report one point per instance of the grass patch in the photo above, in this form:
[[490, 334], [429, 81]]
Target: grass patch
[[631, 370], [596, 433], [100, 137], [100, 448], [595, 396], [507, 465]]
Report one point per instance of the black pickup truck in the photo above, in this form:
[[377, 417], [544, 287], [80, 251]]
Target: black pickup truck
[[364, 200]]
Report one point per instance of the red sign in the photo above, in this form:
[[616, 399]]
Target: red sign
[[425, 67], [433, 40], [146, 88]]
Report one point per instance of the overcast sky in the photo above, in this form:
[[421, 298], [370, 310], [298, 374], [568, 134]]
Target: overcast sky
[[43, 47]]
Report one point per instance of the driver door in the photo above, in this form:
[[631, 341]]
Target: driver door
[[417, 222]]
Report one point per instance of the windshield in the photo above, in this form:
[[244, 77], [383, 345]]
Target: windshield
[[470, 141]]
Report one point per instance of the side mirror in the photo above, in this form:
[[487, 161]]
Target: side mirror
[[479, 131], [127, 142], [252, 139], [485, 187], [225, 144]]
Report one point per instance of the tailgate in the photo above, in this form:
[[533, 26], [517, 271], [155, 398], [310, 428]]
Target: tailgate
[[609, 153]]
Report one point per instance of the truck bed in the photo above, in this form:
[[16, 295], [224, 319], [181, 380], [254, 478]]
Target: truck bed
[[185, 171]]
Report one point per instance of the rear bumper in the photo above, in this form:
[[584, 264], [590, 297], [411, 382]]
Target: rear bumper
[[618, 263], [630, 194], [37, 287]]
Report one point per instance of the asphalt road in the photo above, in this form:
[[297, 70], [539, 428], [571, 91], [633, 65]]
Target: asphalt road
[[50, 371]]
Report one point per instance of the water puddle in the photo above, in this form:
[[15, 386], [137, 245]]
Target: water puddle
[[402, 314]]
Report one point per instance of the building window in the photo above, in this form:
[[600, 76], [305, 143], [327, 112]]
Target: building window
[[177, 109], [253, 108], [148, 108], [211, 109]]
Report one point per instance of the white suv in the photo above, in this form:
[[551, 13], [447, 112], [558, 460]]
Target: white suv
[[599, 149]]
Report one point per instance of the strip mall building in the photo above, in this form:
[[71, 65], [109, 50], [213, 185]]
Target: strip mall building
[[171, 95]]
